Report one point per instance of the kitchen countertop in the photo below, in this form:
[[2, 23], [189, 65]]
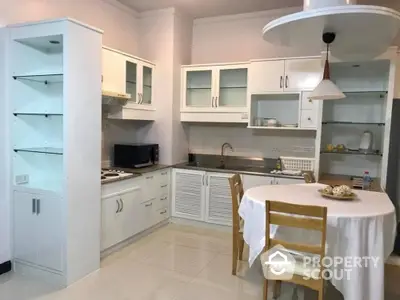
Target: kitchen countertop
[[115, 179], [135, 172], [333, 179], [248, 170]]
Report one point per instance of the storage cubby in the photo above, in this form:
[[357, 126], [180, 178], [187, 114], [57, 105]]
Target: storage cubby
[[282, 107], [36, 90], [344, 121]]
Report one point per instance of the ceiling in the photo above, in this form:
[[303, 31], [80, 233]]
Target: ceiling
[[209, 8]]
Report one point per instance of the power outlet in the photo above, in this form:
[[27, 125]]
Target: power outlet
[[21, 179]]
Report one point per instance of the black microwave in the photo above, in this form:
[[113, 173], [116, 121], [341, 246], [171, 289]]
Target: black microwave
[[135, 155]]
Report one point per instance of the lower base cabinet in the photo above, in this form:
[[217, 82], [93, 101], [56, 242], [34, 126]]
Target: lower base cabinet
[[206, 196], [38, 230], [133, 205]]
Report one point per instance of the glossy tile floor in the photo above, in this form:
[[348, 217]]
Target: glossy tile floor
[[174, 263]]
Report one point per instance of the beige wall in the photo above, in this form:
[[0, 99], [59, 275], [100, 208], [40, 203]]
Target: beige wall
[[118, 22]]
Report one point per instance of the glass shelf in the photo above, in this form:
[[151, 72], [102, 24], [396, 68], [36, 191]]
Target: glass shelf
[[36, 114], [352, 123], [43, 78], [365, 92], [132, 82], [147, 86], [349, 152], [45, 150], [199, 88]]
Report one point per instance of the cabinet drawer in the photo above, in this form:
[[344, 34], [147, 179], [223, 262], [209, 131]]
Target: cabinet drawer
[[308, 119], [161, 202], [164, 177], [160, 215], [308, 104], [146, 209]]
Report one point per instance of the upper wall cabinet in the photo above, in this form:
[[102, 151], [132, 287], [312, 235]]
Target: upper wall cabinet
[[218, 88], [291, 75], [125, 74]]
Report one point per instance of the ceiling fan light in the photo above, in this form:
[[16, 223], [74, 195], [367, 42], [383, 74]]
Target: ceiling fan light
[[327, 90]]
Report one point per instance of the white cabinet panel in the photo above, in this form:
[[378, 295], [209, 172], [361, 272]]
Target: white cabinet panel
[[308, 119], [25, 242], [266, 76], [283, 181], [218, 199], [113, 71], [188, 197], [111, 222], [302, 74], [38, 235], [130, 212], [250, 181], [146, 218], [50, 233]]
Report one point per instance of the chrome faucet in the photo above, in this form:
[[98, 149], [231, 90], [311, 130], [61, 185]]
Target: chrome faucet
[[222, 152]]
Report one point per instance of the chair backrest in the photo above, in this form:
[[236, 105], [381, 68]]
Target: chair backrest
[[237, 192], [298, 216], [309, 177]]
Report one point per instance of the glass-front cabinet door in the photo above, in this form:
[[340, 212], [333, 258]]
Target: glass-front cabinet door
[[232, 87], [131, 79], [146, 95], [198, 88]]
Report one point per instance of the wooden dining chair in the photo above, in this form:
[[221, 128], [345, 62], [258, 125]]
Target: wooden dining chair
[[298, 216], [237, 192], [309, 177]]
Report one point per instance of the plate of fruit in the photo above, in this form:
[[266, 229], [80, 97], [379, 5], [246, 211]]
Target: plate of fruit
[[340, 192]]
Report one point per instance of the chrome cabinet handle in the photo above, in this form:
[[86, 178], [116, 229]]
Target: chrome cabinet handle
[[122, 204], [216, 101], [164, 186], [38, 207], [149, 177], [163, 212], [281, 82], [148, 205], [165, 173], [118, 206], [163, 199], [309, 119], [309, 100], [287, 81], [212, 101], [207, 180], [33, 206]]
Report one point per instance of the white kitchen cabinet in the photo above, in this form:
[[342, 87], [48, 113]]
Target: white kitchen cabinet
[[121, 216], [188, 194], [266, 76], [113, 73], [308, 111], [38, 230], [218, 199], [217, 89], [111, 222], [250, 181], [302, 74], [290, 75], [127, 74]]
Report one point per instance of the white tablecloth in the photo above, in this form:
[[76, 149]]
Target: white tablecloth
[[362, 228]]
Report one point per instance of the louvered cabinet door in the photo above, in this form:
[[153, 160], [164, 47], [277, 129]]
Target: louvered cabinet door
[[218, 199], [188, 194]]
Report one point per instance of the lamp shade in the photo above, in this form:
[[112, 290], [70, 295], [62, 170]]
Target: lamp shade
[[326, 90]]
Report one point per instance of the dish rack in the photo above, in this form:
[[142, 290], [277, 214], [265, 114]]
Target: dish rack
[[297, 163]]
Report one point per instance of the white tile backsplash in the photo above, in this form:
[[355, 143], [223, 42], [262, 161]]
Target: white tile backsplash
[[208, 139], [113, 132]]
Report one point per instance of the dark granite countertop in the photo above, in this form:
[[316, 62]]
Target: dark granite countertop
[[249, 170]]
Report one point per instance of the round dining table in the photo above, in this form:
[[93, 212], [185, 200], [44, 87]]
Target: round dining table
[[363, 228]]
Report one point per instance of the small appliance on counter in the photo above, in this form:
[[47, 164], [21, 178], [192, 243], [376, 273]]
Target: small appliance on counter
[[135, 155], [366, 142]]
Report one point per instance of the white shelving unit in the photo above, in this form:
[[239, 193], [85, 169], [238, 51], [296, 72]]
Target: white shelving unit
[[367, 107], [55, 116]]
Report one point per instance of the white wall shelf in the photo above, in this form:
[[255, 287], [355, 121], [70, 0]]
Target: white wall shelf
[[44, 150], [43, 78]]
